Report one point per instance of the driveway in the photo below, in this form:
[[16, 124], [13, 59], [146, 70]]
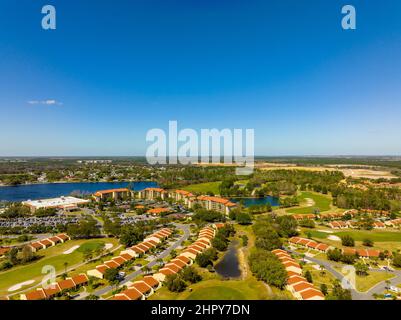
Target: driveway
[[164, 254]]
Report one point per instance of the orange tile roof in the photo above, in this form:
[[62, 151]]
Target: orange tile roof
[[132, 294], [167, 272], [52, 290], [295, 279], [80, 279], [158, 210], [38, 294], [102, 268], [98, 193], [310, 293], [112, 264], [184, 259], [173, 267], [179, 263], [142, 287], [301, 286], [120, 297], [150, 281], [126, 256], [66, 284]]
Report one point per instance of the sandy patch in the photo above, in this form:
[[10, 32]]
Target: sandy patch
[[334, 238], [20, 285], [71, 250], [309, 202], [108, 246], [325, 231]]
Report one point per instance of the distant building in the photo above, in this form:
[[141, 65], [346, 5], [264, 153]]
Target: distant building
[[114, 194], [65, 203]]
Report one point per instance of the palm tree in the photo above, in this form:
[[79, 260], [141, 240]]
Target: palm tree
[[65, 266], [146, 269], [160, 261]]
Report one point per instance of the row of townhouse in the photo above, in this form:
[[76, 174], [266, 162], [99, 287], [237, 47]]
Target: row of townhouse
[[310, 244], [208, 202], [142, 289], [394, 223], [57, 288], [322, 247], [150, 242], [48, 242], [364, 253], [354, 224], [300, 288]]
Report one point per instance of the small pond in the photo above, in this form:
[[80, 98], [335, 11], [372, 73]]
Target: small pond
[[228, 267]]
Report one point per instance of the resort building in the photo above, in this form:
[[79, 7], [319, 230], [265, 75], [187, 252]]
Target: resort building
[[213, 203], [64, 203], [153, 194], [112, 194]]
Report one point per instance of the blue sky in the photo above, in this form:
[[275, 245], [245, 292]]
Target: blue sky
[[119, 68]]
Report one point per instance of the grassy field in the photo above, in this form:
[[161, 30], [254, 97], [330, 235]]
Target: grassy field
[[203, 188], [215, 289], [321, 202], [365, 283], [374, 235], [54, 257]]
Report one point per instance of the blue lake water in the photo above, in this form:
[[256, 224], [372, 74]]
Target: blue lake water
[[52, 190], [273, 201]]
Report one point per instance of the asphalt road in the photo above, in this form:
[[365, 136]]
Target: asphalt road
[[152, 263], [357, 295]]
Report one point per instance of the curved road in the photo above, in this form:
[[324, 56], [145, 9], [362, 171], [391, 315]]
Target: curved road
[[357, 295], [164, 254]]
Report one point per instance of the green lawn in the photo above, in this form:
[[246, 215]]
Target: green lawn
[[374, 235], [316, 234], [321, 202], [54, 257], [214, 289], [364, 283], [204, 188]]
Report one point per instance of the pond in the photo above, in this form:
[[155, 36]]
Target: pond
[[273, 201], [53, 190], [228, 267]]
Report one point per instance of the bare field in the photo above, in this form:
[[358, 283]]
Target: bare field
[[368, 172]]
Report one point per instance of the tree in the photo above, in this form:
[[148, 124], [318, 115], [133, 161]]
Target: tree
[[244, 240], [308, 276], [92, 297], [287, 226], [243, 218], [131, 235], [267, 267], [323, 288], [191, 275], [65, 266], [361, 268], [111, 275], [27, 254], [334, 254], [175, 283], [203, 260], [397, 260], [12, 256], [338, 293], [368, 243], [347, 241]]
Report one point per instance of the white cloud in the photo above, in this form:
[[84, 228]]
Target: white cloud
[[47, 102]]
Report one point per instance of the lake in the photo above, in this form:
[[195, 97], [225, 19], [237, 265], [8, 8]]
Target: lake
[[53, 190], [228, 267], [273, 201]]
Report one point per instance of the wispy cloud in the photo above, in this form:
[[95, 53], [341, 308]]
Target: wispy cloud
[[47, 102]]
